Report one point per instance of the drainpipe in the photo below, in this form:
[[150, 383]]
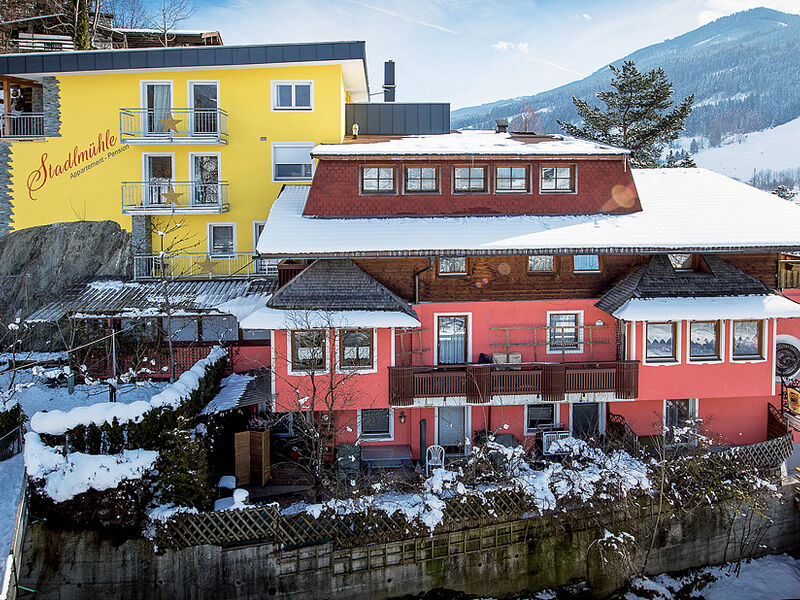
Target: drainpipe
[[416, 279]]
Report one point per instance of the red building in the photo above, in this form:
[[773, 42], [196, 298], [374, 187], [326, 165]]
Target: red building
[[441, 286]]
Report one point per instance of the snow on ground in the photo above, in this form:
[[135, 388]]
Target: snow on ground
[[11, 472], [777, 149]]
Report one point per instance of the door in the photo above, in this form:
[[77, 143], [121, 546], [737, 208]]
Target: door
[[204, 108], [680, 421], [158, 178], [158, 102], [205, 179], [586, 420], [452, 429], [451, 340]]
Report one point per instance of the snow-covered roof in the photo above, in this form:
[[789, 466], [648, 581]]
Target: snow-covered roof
[[469, 142], [272, 318], [712, 309], [682, 210]]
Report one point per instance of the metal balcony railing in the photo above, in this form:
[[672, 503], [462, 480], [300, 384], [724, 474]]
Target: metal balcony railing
[[201, 266], [478, 383], [21, 125], [157, 126], [174, 197]]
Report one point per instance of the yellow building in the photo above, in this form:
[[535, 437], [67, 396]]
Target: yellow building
[[186, 147]]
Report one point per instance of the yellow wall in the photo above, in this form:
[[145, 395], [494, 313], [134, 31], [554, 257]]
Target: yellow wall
[[90, 106]]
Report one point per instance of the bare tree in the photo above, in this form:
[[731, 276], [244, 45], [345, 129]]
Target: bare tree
[[167, 16], [528, 120]]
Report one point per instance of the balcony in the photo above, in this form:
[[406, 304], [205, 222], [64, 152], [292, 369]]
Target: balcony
[[788, 272], [178, 125], [548, 382], [21, 125], [201, 266], [174, 197]]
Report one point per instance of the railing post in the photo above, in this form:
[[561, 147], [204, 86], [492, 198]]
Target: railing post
[[553, 382], [401, 386], [626, 380], [479, 384]]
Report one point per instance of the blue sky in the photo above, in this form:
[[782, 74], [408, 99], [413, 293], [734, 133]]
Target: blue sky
[[471, 51]]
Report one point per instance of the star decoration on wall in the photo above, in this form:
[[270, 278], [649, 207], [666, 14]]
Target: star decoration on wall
[[169, 123], [171, 196]]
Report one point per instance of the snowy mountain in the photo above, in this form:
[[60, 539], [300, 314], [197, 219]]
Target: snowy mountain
[[742, 70]]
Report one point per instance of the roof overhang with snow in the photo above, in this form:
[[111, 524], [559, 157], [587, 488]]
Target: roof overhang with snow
[[272, 318], [711, 309], [683, 210]]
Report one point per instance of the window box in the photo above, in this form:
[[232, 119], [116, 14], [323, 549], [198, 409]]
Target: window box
[[470, 179], [586, 263], [661, 343], [542, 263], [356, 351], [293, 95], [704, 339], [378, 180], [747, 340], [376, 424], [511, 179], [291, 161], [557, 179], [452, 265], [309, 351], [421, 180]]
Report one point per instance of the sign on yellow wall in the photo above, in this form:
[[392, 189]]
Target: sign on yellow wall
[[793, 399]]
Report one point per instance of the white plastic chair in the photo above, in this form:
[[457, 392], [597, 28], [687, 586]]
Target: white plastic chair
[[434, 457]]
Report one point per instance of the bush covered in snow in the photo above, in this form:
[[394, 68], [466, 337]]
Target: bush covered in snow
[[11, 418]]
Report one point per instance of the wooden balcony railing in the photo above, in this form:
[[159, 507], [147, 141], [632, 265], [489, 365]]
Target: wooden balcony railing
[[789, 272], [478, 383]]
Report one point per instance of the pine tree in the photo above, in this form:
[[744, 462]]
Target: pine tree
[[784, 192], [82, 27], [637, 114], [184, 471]]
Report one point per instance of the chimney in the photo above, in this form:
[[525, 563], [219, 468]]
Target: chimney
[[388, 81], [501, 126]]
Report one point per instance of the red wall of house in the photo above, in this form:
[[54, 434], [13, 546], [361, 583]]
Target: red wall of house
[[485, 315], [247, 358], [603, 186], [723, 379]]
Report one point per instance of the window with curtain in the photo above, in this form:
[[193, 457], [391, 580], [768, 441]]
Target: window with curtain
[[585, 263], [452, 265], [452, 339], [661, 338], [292, 162], [747, 339], [541, 263], [355, 348], [703, 340], [308, 350], [221, 240], [159, 100]]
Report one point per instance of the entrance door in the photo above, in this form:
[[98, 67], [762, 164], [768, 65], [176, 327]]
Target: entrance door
[[204, 104], [158, 176], [586, 420], [205, 179], [158, 102], [452, 340], [452, 429]]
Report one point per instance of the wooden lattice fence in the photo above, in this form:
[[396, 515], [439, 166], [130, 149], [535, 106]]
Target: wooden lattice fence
[[764, 455]]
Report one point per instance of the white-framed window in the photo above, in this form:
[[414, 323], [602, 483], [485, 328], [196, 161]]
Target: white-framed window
[[263, 266], [158, 177], [293, 95], [661, 342], [747, 340], [203, 99], [540, 416], [309, 350], [541, 263], [680, 421], [557, 179], [705, 341], [375, 424], [356, 349], [452, 265], [291, 161], [221, 239], [564, 332], [586, 263], [204, 173], [157, 104], [511, 179]]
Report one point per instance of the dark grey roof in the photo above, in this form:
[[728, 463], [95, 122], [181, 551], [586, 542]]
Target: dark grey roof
[[120, 298], [397, 118], [192, 56], [658, 279], [337, 284]]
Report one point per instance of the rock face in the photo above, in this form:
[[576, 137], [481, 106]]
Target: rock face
[[56, 257]]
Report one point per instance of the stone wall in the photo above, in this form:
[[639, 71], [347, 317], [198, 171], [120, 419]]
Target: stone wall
[[493, 560], [51, 106], [6, 204]]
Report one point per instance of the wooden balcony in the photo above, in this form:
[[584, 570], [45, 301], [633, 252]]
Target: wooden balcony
[[479, 383], [788, 272]]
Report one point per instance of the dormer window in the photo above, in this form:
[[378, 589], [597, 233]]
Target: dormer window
[[422, 179], [511, 179], [470, 179], [557, 179], [681, 262], [378, 180]]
